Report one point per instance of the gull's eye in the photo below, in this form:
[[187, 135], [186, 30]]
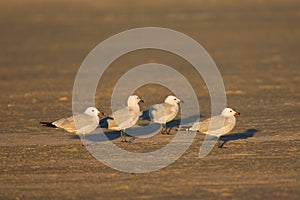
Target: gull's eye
[[231, 111], [175, 99], [93, 110]]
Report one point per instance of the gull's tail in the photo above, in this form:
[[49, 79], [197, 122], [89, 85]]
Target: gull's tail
[[186, 129], [48, 124]]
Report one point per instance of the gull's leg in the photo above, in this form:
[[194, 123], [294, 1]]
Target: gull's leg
[[83, 142], [219, 143], [169, 130], [164, 129], [82, 138], [123, 136]]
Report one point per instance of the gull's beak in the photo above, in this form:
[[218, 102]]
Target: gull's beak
[[181, 101], [141, 101], [237, 113], [100, 113]]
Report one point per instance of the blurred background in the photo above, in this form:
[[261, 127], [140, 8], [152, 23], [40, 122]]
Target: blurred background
[[255, 44]]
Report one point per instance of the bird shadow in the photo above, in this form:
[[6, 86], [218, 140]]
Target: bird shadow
[[237, 136], [185, 121], [103, 122], [96, 137]]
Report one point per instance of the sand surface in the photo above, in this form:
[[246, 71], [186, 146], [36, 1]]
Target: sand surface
[[256, 46]]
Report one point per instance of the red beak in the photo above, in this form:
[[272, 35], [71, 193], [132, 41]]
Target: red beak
[[141, 101], [100, 113], [237, 113]]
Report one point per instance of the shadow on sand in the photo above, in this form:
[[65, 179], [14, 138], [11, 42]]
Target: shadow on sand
[[139, 130], [112, 135], [96, 137], [237, 136]]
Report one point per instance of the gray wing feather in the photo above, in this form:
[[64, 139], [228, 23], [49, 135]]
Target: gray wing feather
[[123, 118], [67, 124], [162, 113], [85, 123], [214, 124]]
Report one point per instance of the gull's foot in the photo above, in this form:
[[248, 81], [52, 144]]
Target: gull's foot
[[177, 128], [220, 144], [170, 129], [123, 139], [123, 136], [167, 131], [163, 131]]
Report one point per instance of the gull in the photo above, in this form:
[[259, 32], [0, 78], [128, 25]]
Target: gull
[[218, 125], [126, 117], [86, 122], [165, 112]]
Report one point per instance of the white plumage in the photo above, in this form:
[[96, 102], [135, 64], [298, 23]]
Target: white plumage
[[125, 117], [86, 122], [218, 125], [165, 112]]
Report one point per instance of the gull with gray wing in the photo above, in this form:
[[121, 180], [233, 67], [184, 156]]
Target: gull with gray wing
[[218, 125], [165, 112], [86, 122], [125, 117]]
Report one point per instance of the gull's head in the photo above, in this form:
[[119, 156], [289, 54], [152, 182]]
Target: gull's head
[[173, 100], [228, 112], [134, 99], [92, 111]]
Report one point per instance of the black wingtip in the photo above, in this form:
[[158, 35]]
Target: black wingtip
[[48, 124]]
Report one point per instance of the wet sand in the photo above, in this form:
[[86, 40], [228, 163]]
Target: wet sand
[[256, 47]]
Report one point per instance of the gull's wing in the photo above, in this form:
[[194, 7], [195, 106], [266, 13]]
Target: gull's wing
[[66, 123], [162, 113], [85, 123], [215, 125], [123, 118], [111, 124]]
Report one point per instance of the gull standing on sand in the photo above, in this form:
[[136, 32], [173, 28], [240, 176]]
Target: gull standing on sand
[[86, 122], [126, 117], [165, 112], [218, 125]]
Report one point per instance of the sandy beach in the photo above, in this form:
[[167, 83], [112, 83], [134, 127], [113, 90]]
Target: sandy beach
[[255, 45]]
